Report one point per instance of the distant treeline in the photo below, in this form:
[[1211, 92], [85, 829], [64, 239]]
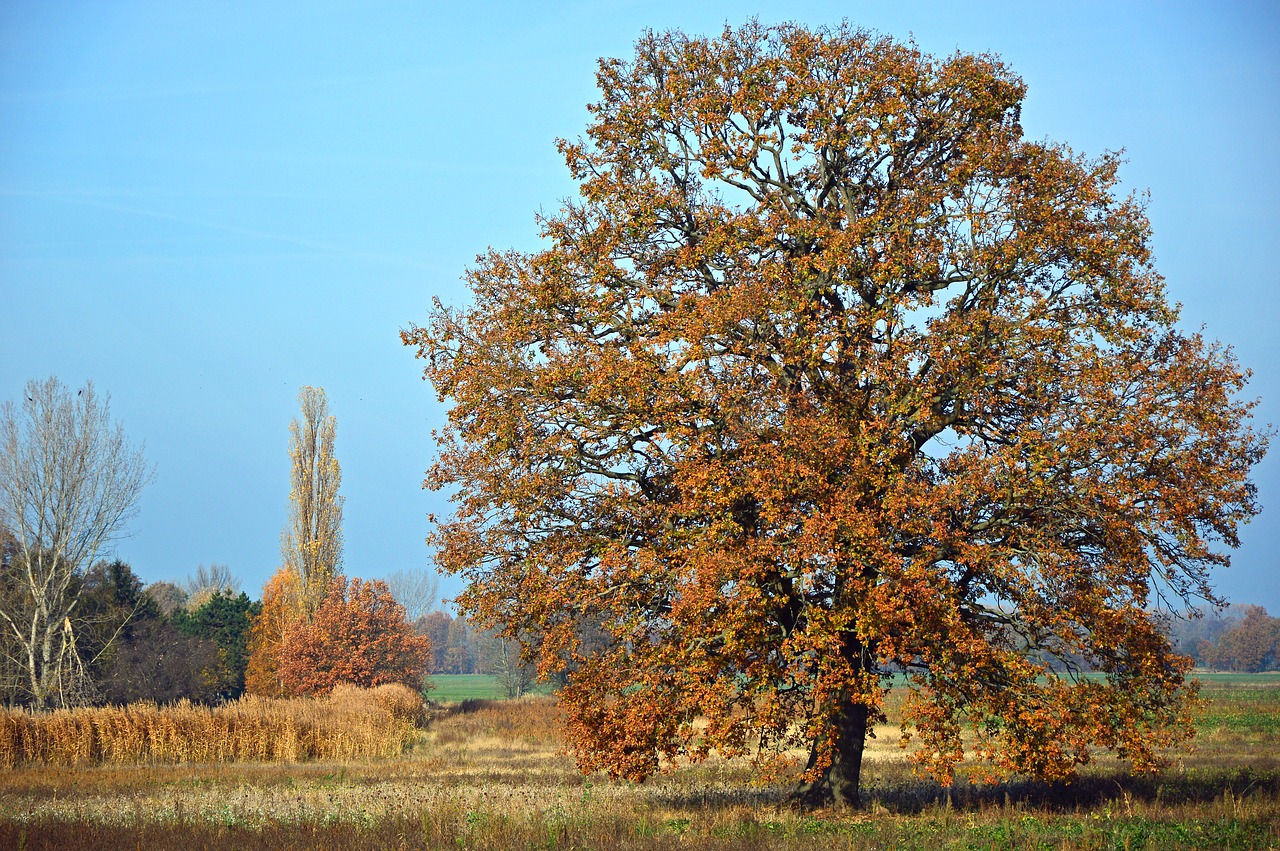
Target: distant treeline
[[457, 647], [1238, 638], [133, 644], [166, 642]]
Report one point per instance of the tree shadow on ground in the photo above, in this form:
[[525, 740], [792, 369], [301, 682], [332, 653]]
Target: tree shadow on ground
[[1085, 792], [911, 796]]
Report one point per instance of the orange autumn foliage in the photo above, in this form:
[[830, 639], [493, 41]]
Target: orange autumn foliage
[[1251, 645], [828, 375], [280, 612], [358, 635]]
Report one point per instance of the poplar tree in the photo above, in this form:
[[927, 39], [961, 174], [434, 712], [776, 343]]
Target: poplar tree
[[311, 546]]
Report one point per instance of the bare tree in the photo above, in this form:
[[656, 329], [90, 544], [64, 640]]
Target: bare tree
[[415, 590], [311, 545], [69, 485], [501, 658], [168, 596], [206, 582]]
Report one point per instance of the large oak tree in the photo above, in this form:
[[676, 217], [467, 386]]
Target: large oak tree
[[831, 374]]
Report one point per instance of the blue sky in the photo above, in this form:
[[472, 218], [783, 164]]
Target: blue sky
[[205, 206]]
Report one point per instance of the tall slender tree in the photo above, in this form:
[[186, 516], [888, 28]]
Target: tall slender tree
[[311, 545], [69, 485]]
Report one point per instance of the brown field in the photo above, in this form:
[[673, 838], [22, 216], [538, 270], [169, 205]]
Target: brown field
[[491, 776]]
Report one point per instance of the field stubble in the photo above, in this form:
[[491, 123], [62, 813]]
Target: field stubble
[[491, 775]]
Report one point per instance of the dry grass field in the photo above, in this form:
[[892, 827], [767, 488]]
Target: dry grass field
[[353, 723], [491, 776]]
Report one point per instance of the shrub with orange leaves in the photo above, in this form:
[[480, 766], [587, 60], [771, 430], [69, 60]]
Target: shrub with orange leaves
[[358, 636], [830, 374]]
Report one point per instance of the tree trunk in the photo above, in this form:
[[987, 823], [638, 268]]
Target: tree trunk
[[33, 668], [839, 783], [42, 677]]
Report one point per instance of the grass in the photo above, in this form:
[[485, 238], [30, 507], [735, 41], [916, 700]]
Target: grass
[[455, 688], [1225, 679], [1241, 710], [489, 775]]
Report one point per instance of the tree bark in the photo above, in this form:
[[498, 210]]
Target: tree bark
[[839, 783]]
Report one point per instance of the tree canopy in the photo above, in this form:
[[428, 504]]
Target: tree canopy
[[831, 374], [359, 636], [225, 619], [278, 614]]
